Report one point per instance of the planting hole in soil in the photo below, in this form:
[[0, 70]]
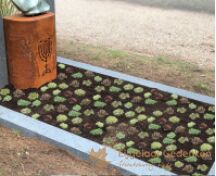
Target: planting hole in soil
[[163, 129]]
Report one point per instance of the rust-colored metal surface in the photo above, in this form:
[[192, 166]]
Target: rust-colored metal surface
[[31, 49]]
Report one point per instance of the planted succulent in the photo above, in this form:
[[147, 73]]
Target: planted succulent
[[85, 102], [208, 116], [155, 160], [188, 168], [157, 113], [191, 124], [138, 90], [80, 92], [87, 83], [174, 96], [120, 135], [7, 98], [62, 76], [36, 103], [180, 130], [99, 104], [114, 89], [99, 89], [44, 89], [62, 66], [156, 135], [77, 75], [169, 111], [168, 140], [181, 110], [154, 126], [76, 130], [45, 97], [140, 109], [63, 86], [76, 107], [133, 151], [23, 103], [151, 119], [35, 116], [75, 83], [133, 121], [171, 147], [110, 141], [156, 145], [72, 100], [52, 85], [196, 141], [63, 126], [201, 109], [172, 103], [111, 120], [147, 95], [150, 101], [98, 78], [99, 124], [89, 73], [106, 82], [77, 120], [102, 113], [89, 112], [206, 147], [62, 108], [143, 134], [33, 96], [130, 114], [118, 112], [59, 99], [171, 135], [210, 131], [194, 152], [48, 107], [128, 87], [56, 92], [202, 167], [128, 105], [192, 106], [108, 98], [191, 159], [141, 117], [4, 91], [174, 119], [183, 140], [211, 108], [73, 113], [61, 118], [116, 104], [194, 131], [18, 93], [68, 93], [25, 111], [179, 164], [136, 99], [119, 146], [96, 132], [118, 82], [211, 139], [124, 96], [130, 143], [194, 116]]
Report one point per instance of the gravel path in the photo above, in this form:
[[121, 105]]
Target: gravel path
[[153, 31]]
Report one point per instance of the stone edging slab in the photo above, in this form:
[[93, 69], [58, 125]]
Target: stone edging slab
[[81, 147]]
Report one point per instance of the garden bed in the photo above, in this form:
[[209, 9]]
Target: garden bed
[[130, 118]]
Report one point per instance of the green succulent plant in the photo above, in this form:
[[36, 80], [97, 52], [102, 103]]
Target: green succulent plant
[[194, 131], [99, 124], [36, 103], [61, 118], [26, 111], [35, 116], [96, 132], [183, 140], [99, 104], [194, 116], [210, 131], [174, 96], [191, 159], [171, 147], [192, 106], [171, 135], [114, 89], [80, 92], [128, 87], [4, 92], [76, 107], [194, 152], [174, 119], [157, 113], [130, 114], [206, 147], [98, 78], [130, 143], [116, 104], [33, 96], [89, 112], [48, 107], [140, 109], [119, 146], [111, 120], [138, 90], [150, 101], [154, 126], [182, 110], [155, 160], [7, 98], [120, 135], [87, 83], [156, 145], [77, 120], [208, 116], [202, 167], [191, 124], [211, 108], [56, 92], [133, 121], [168, 140], [172, 103], [141, 117], [63, 86], [151, 119], [143, 135], [211, 139], [77, 75], [99, 89], [44, 89], [118, 82], [73, 113], [63, 126], [59, 99], [23, 103], [124, 96], [52, 85], [118, 112], [179, 164], [128, 105], [85, 102], [133, 151], [147, 95], [62, 66], [110, 141], [97, 97]]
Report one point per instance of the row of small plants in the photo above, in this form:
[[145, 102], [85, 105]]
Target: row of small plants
[[128, 117]]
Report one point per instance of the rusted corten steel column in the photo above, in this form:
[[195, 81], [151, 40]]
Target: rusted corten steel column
[[31, 49]]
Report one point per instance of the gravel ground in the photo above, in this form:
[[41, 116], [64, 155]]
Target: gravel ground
[[152, 31]]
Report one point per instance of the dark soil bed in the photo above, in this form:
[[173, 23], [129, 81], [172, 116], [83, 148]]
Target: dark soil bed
[[163, 129]]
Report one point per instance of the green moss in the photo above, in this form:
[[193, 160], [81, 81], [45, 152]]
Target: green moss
[[119, 146], [59, 99], [130, 114], [77, 75], [128, 105], [206, 147], [133, 151], [133, 121], [114, 89], [174, 119], [99, 124], [61, 118], [98, 78], [118, 112], [77, 107], [157, 113], [128, 87], [130, 143], [99, 104], [80, 92], [111, 120], [208, 116], [7, 98], [155, 160], [150, 101], [138, 90], [77, 120], [171, 147], [168, 141], [33, 96], [23, 103], [191, 159], [63, 126], [4, 92], [142, 117], [73, 113], [96, 132], [120, 135], [156, 145], [25, 111], [36, 103], [143, 135], [179, 164], [194, 131], [154, 126], [172, 103], [52, 85]]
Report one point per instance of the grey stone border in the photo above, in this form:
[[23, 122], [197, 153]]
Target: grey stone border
[[80, 146]]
